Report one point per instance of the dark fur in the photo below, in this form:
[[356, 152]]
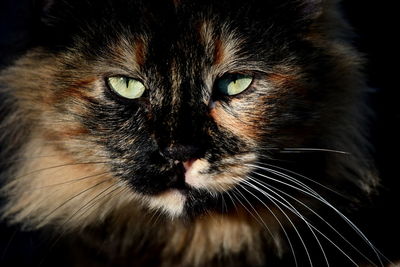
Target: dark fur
[[58, 92]]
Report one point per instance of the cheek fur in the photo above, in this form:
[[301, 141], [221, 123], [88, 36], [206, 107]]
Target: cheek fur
[[53, 188], [241, 119]]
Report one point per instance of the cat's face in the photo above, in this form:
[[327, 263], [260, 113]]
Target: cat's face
[[179, 101], [211, 91]]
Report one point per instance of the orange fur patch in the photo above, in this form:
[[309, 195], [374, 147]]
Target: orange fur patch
[[78, 90], [218, 52], [286, 81], [140, 53], [240, 125]]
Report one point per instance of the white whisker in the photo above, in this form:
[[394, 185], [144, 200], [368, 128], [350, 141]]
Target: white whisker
[[277, 219], [260, 220], [59, 166], [310, 149], [97, 198], [287, 217], [67, 182], [233, 202], [74, 196], [320, 217], [277, 172], [290, 207], [318, 197], [310, 226]]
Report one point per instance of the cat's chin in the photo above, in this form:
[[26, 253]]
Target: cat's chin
[[188, 204], [171, 202], [184, 204]]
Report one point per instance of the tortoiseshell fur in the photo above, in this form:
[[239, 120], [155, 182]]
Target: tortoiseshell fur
[[108, 171]]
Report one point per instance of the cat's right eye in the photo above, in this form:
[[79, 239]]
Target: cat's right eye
[[126, 87]]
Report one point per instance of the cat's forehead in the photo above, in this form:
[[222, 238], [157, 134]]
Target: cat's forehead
[[187, 36], [182, 41], [192, 30]]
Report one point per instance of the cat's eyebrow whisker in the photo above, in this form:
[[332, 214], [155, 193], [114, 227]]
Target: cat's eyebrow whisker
[[269, 187], [289, 206], [261, 221], [284, 213], [318, 197]]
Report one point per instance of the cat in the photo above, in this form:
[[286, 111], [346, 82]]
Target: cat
[[190, 133]]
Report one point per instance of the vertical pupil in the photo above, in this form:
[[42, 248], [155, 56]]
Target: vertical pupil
[[126, 82], [235, 78]]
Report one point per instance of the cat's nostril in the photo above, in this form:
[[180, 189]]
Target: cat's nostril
[[182, 152]]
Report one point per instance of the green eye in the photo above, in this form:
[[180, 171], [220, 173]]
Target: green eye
[[126, 87], [233, 84]]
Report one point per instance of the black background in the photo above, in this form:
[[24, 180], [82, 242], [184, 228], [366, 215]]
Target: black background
[[376, 27]]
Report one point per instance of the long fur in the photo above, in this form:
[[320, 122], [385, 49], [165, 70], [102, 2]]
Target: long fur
[[76, 158]]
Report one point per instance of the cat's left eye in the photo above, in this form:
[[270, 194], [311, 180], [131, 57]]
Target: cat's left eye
[[233, 83], [126, 87]]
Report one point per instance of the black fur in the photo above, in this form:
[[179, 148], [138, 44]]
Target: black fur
[[166, 134]]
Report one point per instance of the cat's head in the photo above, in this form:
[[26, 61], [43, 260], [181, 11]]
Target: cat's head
[[176, 104]]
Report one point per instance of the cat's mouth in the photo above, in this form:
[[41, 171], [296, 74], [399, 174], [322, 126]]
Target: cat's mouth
[[174, 196], [197, 185], [180, 177], [189, 175]]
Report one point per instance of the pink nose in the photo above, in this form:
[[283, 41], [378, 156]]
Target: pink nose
[[188, 164]]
